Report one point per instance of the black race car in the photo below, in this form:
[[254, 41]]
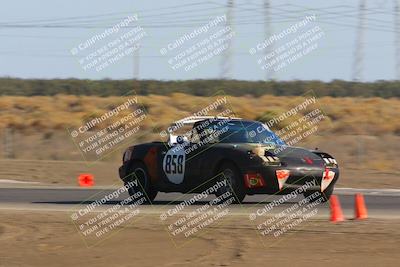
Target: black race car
[[247, 154]]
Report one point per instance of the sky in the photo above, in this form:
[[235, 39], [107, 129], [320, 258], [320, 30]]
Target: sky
[[38, 39]]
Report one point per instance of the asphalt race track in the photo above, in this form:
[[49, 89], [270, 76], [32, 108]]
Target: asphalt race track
[[382, 203]]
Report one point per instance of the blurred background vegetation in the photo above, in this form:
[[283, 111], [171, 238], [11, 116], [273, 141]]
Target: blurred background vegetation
[[343, 115], [335, 88]]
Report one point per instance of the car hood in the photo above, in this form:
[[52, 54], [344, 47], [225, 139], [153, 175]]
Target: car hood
[[289, 154]]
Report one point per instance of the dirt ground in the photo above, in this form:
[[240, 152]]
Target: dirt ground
[[50, 239]]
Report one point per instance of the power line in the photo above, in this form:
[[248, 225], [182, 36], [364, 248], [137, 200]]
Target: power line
[[170, 24], [118, 13], [244, 15]]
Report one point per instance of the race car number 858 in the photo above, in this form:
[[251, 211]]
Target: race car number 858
[[174, 164]]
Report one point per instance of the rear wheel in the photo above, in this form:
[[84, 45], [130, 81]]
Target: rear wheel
[[138, 171], [234, 182]]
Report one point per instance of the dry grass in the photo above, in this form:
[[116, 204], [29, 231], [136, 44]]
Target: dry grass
[[373, 116]]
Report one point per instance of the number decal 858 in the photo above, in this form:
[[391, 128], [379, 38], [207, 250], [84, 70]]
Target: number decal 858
[[174, 164]]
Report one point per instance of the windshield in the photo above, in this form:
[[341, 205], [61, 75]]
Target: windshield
[[240, 132]]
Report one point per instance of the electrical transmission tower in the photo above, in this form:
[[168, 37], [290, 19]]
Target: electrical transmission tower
[[226, 64], [136, 66], [397, 38], [359, 52], [136, 63], [268, 32]]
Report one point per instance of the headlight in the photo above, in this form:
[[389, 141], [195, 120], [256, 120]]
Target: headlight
[[268, 157], [330, 162]]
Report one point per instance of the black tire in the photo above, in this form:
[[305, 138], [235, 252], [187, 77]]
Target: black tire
[[326, 195], [235, 182], [138, 171]]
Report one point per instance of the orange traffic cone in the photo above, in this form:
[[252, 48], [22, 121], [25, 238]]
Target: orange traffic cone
[[336, 209], [360, 210], [86, 179]]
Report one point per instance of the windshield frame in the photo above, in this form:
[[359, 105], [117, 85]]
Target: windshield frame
[[260, 131]]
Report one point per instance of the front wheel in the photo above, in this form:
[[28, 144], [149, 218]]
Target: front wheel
[[325, 196], [138, 172], [234, 183]]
